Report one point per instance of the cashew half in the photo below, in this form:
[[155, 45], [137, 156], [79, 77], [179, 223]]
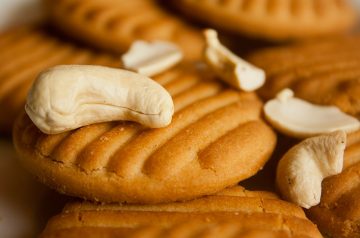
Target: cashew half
[[298, 118], [302, 169], [229, 67], [151, 58], [70, 96]]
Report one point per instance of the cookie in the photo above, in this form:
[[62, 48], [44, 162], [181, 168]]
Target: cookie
[[114, 24], [233, 213], [338, 214], [216, 138], [322, 72], [276, 20], [25, 52]]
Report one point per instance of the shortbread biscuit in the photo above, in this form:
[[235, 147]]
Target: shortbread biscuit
[[338, 214], [273, 19], [233, 213], [115, 24], [24, 53], [216, 138], [324, 72]]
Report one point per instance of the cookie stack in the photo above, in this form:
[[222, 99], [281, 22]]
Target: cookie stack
[[327, 77], [159, 147]]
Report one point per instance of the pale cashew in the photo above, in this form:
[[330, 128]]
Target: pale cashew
[[302, 169], [70, 96], [298, 118], [151, 58], [229, 67]]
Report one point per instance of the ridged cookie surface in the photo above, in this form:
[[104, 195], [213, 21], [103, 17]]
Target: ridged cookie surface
[[216, 138], [338, 214], [115, 24], [323, 72], [234, 212], [25, 52], [273, 19]]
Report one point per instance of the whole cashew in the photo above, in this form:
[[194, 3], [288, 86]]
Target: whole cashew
[[70, 96], [302, 169]]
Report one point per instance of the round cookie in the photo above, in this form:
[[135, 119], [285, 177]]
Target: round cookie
[[114, 24], [233, 213], [25, 52], [275, 20], [338, 214], [323, 72], [216, 138]]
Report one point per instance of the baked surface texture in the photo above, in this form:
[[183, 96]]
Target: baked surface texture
[[25, 52], [338, 214], [275, 20], [323, 72], [327, 73], [216, 139], [235, 212], [114, 24]]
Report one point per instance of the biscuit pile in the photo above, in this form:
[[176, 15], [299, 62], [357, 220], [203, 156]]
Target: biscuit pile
[[182, 180]]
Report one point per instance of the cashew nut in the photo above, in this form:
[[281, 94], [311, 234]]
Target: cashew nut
[[298, 118], [229, 67], [151, 58], [70, 96], [302, 169]]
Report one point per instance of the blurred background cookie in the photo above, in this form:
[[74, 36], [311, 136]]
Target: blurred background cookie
[[25, 52], [338, 214], [208, 145], [235, 212], [114, 24], [274, 20], [323, 72]]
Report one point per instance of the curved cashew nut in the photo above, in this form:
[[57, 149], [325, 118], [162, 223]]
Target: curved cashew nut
[[302, 169], [298, 118], [229, 67], [70, 96]]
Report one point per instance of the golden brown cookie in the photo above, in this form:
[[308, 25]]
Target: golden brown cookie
[[24, 53], [234, 212], [338, 214], [216, 138], [115, 24], [322, 72], [273, 19]]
